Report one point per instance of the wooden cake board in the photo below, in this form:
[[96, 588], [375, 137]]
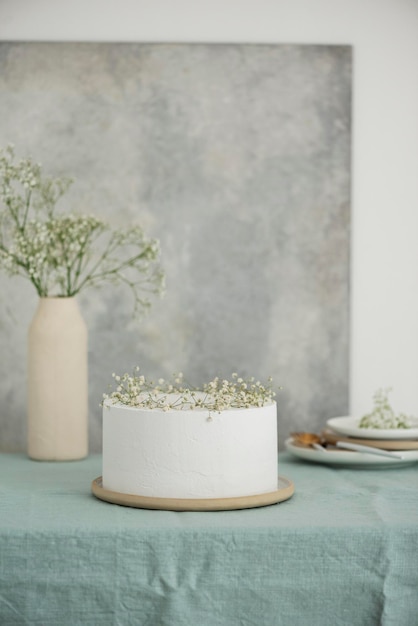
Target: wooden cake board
[[285, 490]]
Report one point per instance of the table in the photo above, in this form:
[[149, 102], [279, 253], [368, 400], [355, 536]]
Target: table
[[342, 551]]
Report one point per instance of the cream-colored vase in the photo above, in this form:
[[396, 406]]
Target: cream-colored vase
[[57, 382]]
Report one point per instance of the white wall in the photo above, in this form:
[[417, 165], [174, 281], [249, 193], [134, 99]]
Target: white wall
[[384, 33]]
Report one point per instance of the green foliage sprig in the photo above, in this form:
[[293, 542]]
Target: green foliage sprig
[[135, 390], [382, 415], [62, 254]]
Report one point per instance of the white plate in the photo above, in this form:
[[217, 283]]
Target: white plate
[[347, 458], [350, 426]]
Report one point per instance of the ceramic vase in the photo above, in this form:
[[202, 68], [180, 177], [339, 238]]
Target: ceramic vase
[[57, 382]]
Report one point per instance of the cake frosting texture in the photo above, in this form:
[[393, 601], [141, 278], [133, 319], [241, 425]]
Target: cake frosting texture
[[189, 453]]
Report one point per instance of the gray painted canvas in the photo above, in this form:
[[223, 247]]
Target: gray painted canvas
[[237, 157]]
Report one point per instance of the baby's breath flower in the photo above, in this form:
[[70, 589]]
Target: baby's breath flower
[[137, 391], [383, 416], [63, 254]]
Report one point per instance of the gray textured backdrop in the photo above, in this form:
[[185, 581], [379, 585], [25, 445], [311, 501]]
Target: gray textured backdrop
[[237, 157]]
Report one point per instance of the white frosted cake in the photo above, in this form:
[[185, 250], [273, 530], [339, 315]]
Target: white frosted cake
[[189, 453]]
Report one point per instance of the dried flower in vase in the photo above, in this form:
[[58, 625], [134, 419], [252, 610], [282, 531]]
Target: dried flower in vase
[[63, 254]]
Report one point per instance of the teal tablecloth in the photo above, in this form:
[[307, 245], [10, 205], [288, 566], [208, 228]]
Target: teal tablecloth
[[342, 551]]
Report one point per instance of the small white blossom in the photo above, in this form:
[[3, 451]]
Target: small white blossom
[[383, 416], [64, 254], [137, 391]]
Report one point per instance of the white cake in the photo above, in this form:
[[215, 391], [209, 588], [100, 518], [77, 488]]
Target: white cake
[[189, 453]]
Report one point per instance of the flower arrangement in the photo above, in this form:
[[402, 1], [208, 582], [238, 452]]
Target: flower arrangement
[[215, 396], [383, 416], [62, 254]]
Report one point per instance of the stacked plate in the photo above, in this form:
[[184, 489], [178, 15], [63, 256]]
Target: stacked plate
[[345, 431]]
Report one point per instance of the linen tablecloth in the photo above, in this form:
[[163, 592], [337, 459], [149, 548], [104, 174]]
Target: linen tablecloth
[[342, 551]]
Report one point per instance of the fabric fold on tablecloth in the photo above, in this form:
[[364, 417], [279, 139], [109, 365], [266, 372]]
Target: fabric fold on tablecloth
[[341, 552]]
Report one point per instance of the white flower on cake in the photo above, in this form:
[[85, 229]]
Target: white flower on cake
[[135, 390], [383, 416]]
